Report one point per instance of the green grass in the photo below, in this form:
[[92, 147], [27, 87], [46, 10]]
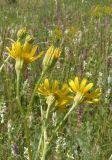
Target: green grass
[[86, 43]]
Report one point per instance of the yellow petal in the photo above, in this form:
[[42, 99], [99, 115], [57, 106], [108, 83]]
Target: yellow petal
[[14, 46], [11, 53], [92, 101], [89, 102], [43, 92], [94, 94], [96, 100], [57, 53], [33, 51], [18, 49], [50, 51], [72, 85], [83, 83], [7, 48], [37, 57], [67, 98], [44, 88], [46, 83], [77, 83], [98, 91], [65, 89], [55, 86], [87, 88], [26, 47]]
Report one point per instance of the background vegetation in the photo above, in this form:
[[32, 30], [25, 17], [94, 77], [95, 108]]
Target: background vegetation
[[83, 30]]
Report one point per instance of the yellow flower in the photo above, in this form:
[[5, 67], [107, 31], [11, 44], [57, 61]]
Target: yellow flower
[[51, 57], [83, 92], [24, 52], [61, 97]]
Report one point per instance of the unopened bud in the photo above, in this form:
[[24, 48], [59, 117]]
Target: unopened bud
[[29, 39], [21, 33], [51, 57]]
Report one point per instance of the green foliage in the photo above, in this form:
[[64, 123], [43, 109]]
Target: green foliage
[[86, 43]]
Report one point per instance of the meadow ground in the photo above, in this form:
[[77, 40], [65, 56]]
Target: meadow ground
[[83, 31]]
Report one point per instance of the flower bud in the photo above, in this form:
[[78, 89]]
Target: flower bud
[[21, 34], [29, 39], [50, 58]]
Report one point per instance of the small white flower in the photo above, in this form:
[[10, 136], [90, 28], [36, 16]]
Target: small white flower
[[108, 91], [100, 79], [109, 79], [84, 64], [100, 74], [67, 50], [2, 118], [54, 118], [70, 156], [26, 153], [72, 69], [9, 126], [66, 31], [2, 111], [58, 65], [88, 74], [50, 33]]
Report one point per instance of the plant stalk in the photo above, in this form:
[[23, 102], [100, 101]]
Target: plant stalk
[[33, 95], [44, 132], [27, 133], [61, 123]]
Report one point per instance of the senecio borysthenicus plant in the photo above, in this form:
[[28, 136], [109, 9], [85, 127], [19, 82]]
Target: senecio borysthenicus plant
[[65, 98]]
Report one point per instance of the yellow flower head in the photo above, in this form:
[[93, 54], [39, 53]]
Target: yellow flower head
[[83, 92], [23, 53], [51, 57], [62, 99]]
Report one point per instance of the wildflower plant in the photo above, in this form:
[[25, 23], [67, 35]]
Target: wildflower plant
[[65, 98], [60, 97], [83, 91]]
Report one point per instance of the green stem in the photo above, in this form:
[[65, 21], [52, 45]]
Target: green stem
[[39, 145], [4, 63], [61, 123], [27, 133], [17, 94], [33, 95], [44, 132], [40, 141], [45, 144]]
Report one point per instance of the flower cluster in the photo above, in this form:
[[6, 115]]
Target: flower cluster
[[63, 98], [80, 92], [83, 91], [23, 51]]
